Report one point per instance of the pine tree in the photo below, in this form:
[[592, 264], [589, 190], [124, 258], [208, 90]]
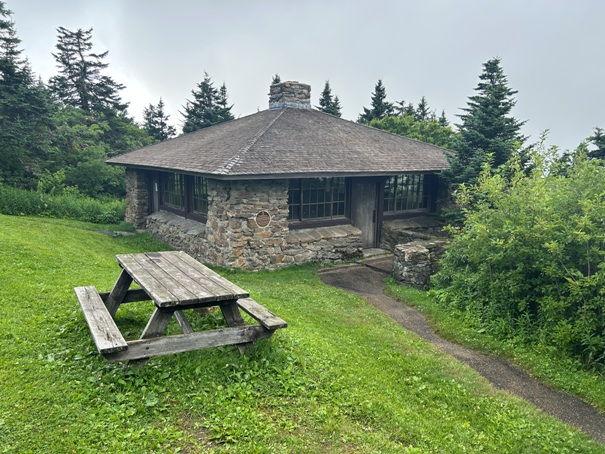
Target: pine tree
[[487, 127], [379, 107], [25, 111], [598, 140], [155, 122], [422, 113], [443, 120], [327, 103], [80, 82], [276, 79], [209, 106]]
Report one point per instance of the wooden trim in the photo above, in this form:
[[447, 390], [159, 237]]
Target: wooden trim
[[158, 346]]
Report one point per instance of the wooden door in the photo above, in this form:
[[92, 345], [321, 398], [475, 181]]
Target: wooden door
[[364, 210]]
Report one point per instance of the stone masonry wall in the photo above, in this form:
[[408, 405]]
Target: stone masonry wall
[[137, 197], [239, 234], [399, 231]]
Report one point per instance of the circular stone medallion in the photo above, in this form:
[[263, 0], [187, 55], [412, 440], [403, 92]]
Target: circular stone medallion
[[263, 219]]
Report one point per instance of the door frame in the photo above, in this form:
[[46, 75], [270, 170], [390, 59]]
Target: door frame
[[377, 214]]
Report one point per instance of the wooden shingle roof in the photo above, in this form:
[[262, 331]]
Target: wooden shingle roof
[[288, 143]]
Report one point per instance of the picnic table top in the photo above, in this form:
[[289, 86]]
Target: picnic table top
[[173, 278]]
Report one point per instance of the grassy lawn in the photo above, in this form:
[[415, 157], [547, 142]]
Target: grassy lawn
[[341, 378]]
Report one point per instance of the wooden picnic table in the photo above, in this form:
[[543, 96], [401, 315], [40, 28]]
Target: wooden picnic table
[[175, 282]]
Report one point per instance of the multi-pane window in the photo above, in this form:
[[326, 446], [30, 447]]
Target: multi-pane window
[[200, 195], [186, 195], [173, 191], [317, 198], [404, 192]]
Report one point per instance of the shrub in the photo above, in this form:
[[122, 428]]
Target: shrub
[[529, 261], [70, 204]]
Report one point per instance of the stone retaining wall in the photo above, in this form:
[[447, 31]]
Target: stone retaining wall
[[399, 231]]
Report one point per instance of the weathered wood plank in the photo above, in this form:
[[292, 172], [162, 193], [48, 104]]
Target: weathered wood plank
[[142, 349], [116, 296], [264, 316], [155, 328], [131, 296], [233, 317], [146, 280], [154, 266], [105, 333], [204, 273], [179, 273], [183, 322]]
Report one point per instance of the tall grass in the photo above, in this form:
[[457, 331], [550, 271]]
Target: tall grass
[[68, 205]]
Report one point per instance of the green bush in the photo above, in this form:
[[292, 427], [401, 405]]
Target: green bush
[[529, 261], [69, 204]]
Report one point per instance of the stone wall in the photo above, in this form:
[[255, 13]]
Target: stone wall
[[419, 228], [137, 197], [415, 262], [247, 228]]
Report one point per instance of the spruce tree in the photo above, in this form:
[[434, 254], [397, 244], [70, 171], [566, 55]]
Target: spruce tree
[[327, 103], [25, 112], [422, 112], [443, 120], [276, 79], [380, 108], [208, 107], [80, 82], [598, 140], [155, 122], [487, 126]]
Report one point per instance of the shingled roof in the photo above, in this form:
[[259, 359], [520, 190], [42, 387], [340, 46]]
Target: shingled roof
[[288, 143]]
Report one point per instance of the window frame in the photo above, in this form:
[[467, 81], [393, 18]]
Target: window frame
[[421, 192], [188, 194], [303, 223]]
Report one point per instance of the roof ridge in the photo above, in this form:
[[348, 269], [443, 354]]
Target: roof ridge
[[224, 168]]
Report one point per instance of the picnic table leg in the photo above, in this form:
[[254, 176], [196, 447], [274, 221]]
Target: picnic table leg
[[155, 328], [183, 322], [233, 317], [118, 292]]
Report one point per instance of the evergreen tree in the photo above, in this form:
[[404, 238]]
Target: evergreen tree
[[155, 122], [598, 140], [379, 107], [422, 113], [327, 103], [80, 82], [209, 106], [487, 127], [443, 120], [25, 111], [276, 79]]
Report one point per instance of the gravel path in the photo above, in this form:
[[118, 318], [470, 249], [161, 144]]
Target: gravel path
[[368, 282]]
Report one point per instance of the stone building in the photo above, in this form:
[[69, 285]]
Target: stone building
[[283, 186]]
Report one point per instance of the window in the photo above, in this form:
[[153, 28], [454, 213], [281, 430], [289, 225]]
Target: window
[[185, 195], [317, 199], [200, 195], [405, 192], [173, 191]]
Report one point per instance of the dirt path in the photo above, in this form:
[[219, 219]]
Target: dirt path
[[369, 283]]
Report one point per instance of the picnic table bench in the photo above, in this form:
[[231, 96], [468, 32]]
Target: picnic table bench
[[174, 281]]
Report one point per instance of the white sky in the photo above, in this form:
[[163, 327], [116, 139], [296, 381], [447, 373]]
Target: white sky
[[551, 50]]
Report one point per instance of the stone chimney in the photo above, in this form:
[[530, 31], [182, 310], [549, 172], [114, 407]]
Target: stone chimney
[[290, 94]]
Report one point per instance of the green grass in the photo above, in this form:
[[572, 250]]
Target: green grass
[[547, 364], [341, 378]]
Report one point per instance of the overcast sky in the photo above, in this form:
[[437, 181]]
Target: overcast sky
[[551, 50]]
